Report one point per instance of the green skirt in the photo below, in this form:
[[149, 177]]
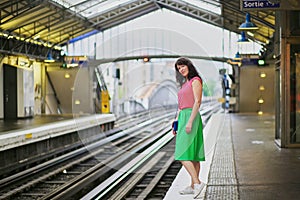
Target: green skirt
[[189, 146]]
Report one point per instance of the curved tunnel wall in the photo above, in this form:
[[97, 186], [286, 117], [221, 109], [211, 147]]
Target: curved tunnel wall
[[165, 95]]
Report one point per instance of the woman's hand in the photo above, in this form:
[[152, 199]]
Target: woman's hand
[[188, 127], [174, 132]]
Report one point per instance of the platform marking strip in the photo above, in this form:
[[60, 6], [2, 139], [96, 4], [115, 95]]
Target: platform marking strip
[[222, 182]]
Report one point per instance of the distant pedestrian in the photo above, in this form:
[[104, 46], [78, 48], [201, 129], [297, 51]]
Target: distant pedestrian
[[189, 149]]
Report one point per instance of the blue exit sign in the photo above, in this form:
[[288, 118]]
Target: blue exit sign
[[258, 4]]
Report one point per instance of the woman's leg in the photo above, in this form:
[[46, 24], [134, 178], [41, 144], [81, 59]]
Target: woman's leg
[[197, 167], [189, 166]]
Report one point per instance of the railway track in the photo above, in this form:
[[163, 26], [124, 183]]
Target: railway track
[[148, 178], [140, 149], [59, 177]]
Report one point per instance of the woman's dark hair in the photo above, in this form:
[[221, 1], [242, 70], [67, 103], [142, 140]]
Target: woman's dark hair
[[192, 70]]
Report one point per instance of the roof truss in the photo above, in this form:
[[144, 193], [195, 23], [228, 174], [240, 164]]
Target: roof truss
[[47, 23]]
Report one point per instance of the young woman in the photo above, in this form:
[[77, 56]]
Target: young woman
[[189, 149]]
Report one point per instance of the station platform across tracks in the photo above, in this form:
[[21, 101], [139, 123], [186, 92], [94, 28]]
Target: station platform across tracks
[[24, 141]]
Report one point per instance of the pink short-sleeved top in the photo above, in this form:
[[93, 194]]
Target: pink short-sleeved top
[[185, 94]]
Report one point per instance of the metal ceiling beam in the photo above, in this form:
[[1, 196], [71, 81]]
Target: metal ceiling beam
[[85, 2], [39, 25], [133, 9], [59, 32], [20, 12], [90, 6], [124, 18], [118, 59], [71, 34], [236, 9], [9, 3], [122, 13], [34, 19], [192, 11], [65, 28], [8, 46], [109, 19]]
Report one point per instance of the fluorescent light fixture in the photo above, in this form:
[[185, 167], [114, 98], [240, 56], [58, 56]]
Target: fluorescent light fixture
[[36, 37]]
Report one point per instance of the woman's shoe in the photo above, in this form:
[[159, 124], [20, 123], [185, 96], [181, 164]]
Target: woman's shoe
[[187, 190], [197, 189]]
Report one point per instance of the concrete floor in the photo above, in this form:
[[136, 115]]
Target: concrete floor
[[38, 120], [246, 163], [264, 171]]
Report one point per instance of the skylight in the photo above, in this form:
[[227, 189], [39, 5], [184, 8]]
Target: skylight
[[211, 5], [89, 8]]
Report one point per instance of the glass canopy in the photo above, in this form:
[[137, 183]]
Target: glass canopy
[[91, 8]]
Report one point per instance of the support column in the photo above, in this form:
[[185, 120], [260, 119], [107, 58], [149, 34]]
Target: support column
[[287, 42], [43, 91]]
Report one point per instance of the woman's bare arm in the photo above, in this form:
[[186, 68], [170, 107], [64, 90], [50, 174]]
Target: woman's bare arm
[[197, 91]]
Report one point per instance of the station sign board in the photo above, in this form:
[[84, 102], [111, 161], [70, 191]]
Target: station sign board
[[251, 5], [76, 61], [258, 4], [249, 59]]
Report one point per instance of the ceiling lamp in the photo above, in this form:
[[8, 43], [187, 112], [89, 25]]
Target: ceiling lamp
[[248, 25], [237, 56], [243, 38], [49, 58], [73, 63]]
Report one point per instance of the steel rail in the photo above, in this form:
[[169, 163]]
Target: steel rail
[[44, 166], [116, 138], [122, 191], [108, 185], [112, 181], [72, 187]]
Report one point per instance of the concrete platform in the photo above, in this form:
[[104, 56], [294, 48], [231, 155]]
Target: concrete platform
[[38, 120], [246, 163], [264, 171], [43, 137], [211, 132], [26, 131]]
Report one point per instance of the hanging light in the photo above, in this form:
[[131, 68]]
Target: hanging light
[[243, 38], [49, 58], [237, 60], [248, 25], [237, 56], [73, 63]]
